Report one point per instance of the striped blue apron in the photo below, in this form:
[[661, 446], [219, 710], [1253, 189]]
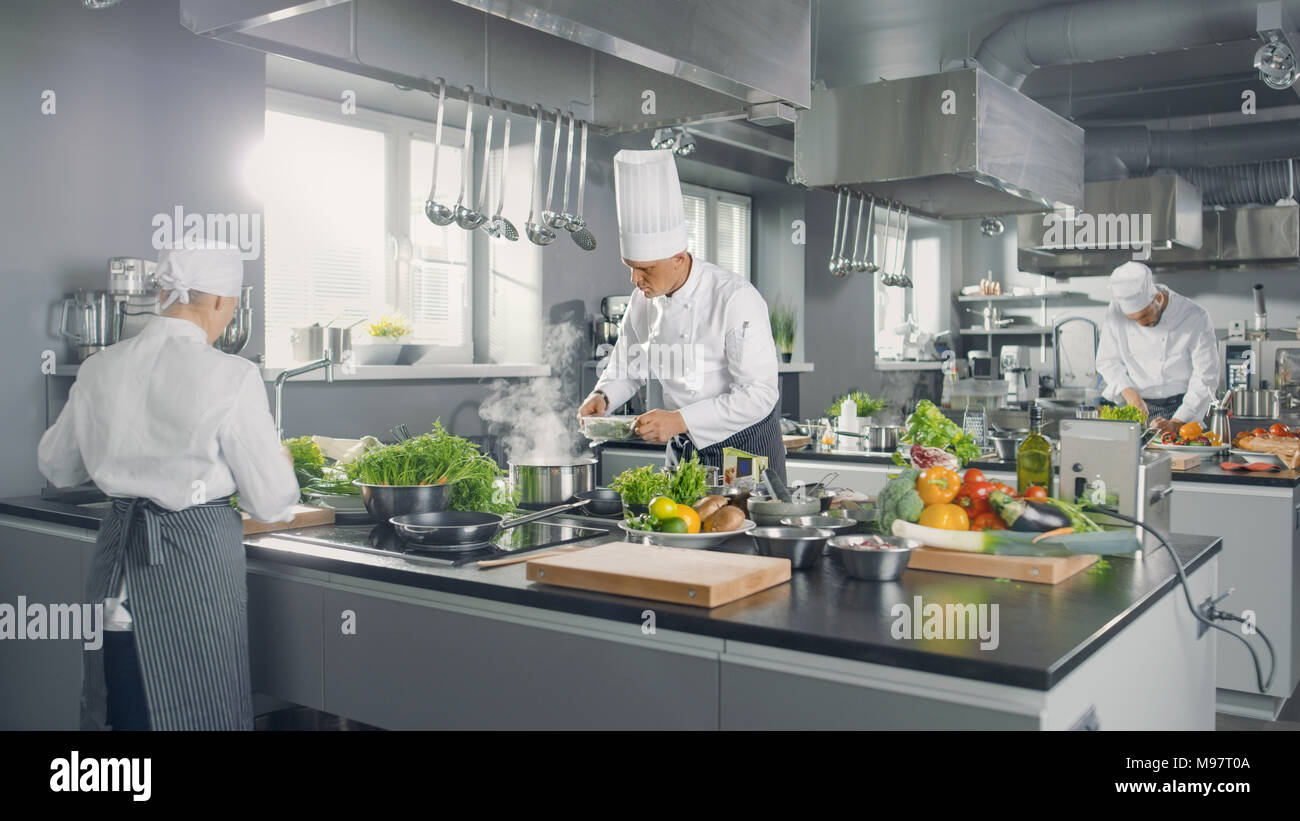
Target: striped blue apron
[[761, 439], [188, 599]]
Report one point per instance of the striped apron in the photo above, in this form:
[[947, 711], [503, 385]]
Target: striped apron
[[761, 439], [188, 599]]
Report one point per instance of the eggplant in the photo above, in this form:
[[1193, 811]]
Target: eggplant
[[1028, 516]]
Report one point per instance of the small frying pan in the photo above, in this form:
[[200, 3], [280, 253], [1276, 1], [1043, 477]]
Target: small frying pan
[[602, 502], [453, 529]]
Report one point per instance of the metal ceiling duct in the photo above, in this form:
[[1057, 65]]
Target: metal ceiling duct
[[1109, 29], [1163, 211], [992, 151], [1111, 152]]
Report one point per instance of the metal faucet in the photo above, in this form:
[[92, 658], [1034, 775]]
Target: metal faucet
[[327, 363]]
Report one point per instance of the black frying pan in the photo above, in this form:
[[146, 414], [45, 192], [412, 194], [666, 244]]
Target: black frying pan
[[459, 528], [602, 502]]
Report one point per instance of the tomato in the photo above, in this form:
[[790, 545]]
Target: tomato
[[1258, 432], [661, 507], [1007, 489], [988, 521], [938, 485], [1279, 429], [1189, 431], [687, 514], [1036, 493], [945, 517], [973, 476], [973, 497]]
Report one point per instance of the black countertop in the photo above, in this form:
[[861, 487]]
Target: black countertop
[[1045, 630]]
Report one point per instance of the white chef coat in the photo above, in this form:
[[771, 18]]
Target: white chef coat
[[710, 347], [1179, 354], [165, 416]]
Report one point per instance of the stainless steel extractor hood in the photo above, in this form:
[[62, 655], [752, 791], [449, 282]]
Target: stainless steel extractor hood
[[954, 145], [1163, 211], [1252, 236]]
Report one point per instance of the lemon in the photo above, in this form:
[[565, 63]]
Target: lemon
[[661, 507]]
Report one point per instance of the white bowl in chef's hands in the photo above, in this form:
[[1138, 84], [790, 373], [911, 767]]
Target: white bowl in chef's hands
[[690, 540]]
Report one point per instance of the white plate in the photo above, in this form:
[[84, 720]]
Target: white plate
[[1204, 450], [1253, 456], [692, 540]]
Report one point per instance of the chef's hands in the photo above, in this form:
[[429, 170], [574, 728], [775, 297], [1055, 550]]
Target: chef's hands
[[594, 406], [1131, 398], [658, 426], [1166, 425]]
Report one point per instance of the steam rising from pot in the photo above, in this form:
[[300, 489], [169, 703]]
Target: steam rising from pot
[[535, 419]]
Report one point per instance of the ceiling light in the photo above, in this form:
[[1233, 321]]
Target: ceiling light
[[991, 227], [675, 139], [1275, 62]]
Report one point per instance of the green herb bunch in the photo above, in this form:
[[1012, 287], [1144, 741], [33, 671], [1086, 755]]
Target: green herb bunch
[[639, 485], [927, 426], [784, 325], [866, 405], [438, 458], [690, 481], [1127, 413]]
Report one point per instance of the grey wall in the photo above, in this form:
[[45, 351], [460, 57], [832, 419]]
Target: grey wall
[[148, 117]]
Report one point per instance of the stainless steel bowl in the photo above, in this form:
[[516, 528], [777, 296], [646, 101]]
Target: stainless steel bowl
[[801, 545], [1005, 446], [835, 524], [770, 512], [383, 502], [873, 564], [546, 485]]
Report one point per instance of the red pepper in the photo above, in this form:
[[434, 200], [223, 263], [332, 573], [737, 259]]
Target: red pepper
[[988, 521], [973, 497]]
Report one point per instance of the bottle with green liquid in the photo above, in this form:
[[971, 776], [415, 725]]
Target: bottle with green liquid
[[1034, 457]]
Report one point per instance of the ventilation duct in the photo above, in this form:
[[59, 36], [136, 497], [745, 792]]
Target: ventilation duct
[[1124, 151], [1253, 184]]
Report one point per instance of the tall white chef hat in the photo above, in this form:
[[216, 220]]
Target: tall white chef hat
[[1131, 287], [210, 267], [651, 217]]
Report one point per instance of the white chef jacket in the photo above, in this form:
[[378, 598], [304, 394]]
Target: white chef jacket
[[158, 414], [1179, 354], [709, 345]]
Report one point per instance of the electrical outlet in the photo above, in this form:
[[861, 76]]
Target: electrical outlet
[[1204, 608]]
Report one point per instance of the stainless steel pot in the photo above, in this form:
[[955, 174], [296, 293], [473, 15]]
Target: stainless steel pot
[[1256, 404], [542, 485], [235, 336], [882, 438], [308, 343], [383, 502], [1006, 447]]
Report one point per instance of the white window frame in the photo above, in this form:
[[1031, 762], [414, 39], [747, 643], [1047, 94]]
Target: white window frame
[[713, 196], [398, 131]]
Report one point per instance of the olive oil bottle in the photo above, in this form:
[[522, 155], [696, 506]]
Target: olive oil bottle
[[1034, 456]]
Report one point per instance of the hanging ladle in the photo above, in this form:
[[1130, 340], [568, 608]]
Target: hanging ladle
[[438, 213], [538, 233], [867, 265], [854, 264], [577, 226], [463, 213], [832, 265], [843, 265], [499, 227], [554, 219], [469, 220]]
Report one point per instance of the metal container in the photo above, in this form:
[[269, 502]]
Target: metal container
[[884, 564], [835, 524], [883, 438], [308, 343], [801, 545], [339, 341], [85, 321], [552, 484], [1257, 404], [1005, 446], [383, 502], [770, 512]]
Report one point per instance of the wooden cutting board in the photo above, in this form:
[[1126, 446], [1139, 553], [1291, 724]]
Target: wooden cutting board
[[1042, 569], [792, 442], [303, 516], [704, 578]]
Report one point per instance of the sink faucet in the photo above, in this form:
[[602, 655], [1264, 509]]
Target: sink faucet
[[326, 362]]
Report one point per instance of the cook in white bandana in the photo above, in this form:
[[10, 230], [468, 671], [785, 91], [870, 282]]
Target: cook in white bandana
[[701, 331], [1158, 350], [169, 427]]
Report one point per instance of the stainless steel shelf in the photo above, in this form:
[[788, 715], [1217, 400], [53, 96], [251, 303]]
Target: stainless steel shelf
[[1026, 330], [1020, 297]]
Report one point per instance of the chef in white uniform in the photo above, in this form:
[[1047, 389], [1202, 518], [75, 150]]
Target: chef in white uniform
[[169, 427], [700, 331], [1158, 350]]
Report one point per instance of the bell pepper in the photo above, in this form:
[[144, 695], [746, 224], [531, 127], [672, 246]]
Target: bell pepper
[[945, 517], [938, 485], [973, 497]]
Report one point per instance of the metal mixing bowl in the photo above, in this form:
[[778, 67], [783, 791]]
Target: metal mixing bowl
[[801, 545], [835, 524], [873, 564], [770, 512], [383, 502]]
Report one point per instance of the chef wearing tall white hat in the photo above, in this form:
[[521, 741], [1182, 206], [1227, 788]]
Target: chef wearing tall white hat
[[169, 427], [1158, 350], [700, 331]]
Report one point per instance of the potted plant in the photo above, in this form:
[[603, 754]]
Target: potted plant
[[784, 324], [867, 407], [387, 336]]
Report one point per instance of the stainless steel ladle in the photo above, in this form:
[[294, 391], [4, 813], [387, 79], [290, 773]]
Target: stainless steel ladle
[[537, 232], [499, 227], [438, 213]]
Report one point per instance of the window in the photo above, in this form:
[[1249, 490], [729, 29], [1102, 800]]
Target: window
[[346, 235], [897, 307], [717, 225]]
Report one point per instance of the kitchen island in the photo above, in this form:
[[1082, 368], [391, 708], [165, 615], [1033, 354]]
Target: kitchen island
[[401, 643]]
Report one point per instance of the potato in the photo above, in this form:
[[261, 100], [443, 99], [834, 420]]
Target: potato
[[709, 505], [728, 517]]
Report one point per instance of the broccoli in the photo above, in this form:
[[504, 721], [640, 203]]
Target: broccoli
[[899, 500]]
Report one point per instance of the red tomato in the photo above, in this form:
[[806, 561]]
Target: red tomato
[[1279, 429], [1036, 492], [1258, 432], [988, 521], [973, 476], [1007, 489]]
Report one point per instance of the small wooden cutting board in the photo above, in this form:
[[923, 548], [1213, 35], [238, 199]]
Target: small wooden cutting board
[[1042, 569], [303, 516], [704, 578]]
